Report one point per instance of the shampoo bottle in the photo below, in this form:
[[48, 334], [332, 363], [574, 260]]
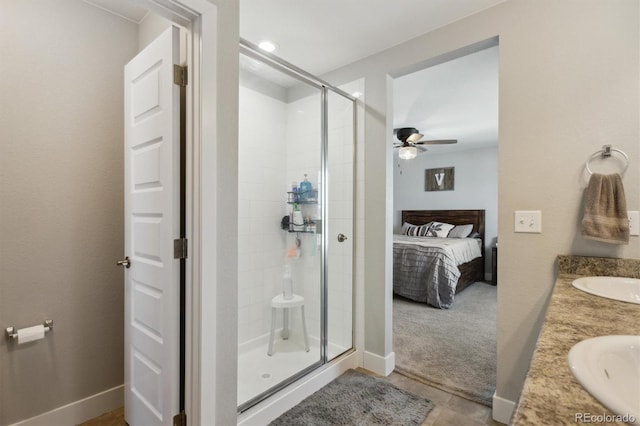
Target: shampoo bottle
[[298, 221], [287, 284], [305, 189]]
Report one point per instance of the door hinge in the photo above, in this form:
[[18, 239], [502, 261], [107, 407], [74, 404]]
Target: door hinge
[[180, 75], [180, 248], [180, 419]]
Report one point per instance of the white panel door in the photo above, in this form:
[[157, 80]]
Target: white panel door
[[152, 191]]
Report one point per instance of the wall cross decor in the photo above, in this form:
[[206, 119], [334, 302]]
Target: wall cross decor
[[441, 179]]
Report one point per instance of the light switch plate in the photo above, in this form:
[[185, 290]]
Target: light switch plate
[[634, 222], [528, 221]]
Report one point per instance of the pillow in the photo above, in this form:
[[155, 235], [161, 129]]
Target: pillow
[[439, 229], [415, 230], [460, 231], [405, 227]]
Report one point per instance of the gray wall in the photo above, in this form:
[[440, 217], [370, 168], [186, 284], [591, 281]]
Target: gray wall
[[475, 187], [61, 200], [568, 84]]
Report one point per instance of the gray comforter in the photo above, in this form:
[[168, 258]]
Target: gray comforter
[[427, 273]]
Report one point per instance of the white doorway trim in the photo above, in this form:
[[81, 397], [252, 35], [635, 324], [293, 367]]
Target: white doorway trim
[[211, 309]]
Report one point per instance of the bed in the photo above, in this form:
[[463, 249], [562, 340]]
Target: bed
[[431, 270]]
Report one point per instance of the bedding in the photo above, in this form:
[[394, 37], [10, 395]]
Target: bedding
[[415, 230], [425, 269], [437, 229], [461, 231]]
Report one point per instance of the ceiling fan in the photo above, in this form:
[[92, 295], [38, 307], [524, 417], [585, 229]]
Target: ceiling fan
[[410, 141]]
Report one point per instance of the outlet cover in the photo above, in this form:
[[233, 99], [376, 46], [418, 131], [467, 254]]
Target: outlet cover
[[528, 221], [634, 222]]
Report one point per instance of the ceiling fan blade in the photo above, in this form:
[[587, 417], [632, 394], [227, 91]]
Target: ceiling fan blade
[[437, 142], [421, 148]]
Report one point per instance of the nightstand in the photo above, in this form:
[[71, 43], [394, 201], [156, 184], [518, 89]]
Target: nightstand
[[494, 265]]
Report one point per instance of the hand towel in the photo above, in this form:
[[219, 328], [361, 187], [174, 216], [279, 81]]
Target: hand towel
[[605, 210]]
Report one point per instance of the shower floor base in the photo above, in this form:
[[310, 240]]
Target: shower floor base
[[258, 372]]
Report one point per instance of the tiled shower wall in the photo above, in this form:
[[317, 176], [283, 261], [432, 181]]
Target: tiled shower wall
[[303, 157], [261, 196]]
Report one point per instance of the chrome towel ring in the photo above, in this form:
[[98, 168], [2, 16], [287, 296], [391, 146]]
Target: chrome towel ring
[[605, 152]]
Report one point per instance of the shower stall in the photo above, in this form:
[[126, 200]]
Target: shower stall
[[296, 220]]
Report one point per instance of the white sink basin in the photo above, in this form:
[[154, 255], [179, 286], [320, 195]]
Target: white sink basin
[[616, 288], [609, 368]]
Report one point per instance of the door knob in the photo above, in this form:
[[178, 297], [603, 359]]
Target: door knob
[[125, 262], [341, 238]]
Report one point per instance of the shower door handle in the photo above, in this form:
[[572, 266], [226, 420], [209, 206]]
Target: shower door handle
[[124, 262], [341, 238]]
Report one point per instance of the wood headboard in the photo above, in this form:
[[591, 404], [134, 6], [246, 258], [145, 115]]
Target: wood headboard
[[454, 217]]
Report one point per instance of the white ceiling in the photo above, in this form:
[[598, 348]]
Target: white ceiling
[[454, 100], [127, 9], [457, 99], [320, 36]]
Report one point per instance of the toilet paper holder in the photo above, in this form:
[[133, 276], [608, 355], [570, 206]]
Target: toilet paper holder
[[12, 332]]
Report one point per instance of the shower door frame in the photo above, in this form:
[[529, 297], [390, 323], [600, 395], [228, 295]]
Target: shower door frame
[[251, 50]]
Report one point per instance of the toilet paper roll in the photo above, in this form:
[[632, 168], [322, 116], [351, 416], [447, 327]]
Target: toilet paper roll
[[30, 334]]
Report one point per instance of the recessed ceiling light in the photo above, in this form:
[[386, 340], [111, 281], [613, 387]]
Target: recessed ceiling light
[[267, 46]]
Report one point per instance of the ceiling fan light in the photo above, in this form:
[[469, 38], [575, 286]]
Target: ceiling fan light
[[408, 152], [415, 137]]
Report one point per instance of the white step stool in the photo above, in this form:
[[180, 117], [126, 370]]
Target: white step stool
[[279, 302]]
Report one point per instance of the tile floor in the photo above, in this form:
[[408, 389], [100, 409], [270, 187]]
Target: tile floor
[[448, 410], [112, 418]]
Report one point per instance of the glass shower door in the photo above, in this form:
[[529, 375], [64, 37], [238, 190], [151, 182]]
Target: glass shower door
[[340, 145], [295, 225], [279, 335]]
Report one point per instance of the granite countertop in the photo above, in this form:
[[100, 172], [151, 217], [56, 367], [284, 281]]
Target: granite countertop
[[551, 395]]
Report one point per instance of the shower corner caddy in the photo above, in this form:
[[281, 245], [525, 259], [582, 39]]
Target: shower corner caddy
[[296, 197]]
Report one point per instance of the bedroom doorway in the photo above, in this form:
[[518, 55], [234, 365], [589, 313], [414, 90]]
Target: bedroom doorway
[[445, 161]]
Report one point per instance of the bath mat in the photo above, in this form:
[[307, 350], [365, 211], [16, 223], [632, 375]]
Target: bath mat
[[452, 349], [357, 399]]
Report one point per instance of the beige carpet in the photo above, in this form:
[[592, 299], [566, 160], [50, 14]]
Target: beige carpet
[[452, 349]]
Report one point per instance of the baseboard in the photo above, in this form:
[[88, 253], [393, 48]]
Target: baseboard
[[502, 409], [268, 410], [79, 411], [378, 364]]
